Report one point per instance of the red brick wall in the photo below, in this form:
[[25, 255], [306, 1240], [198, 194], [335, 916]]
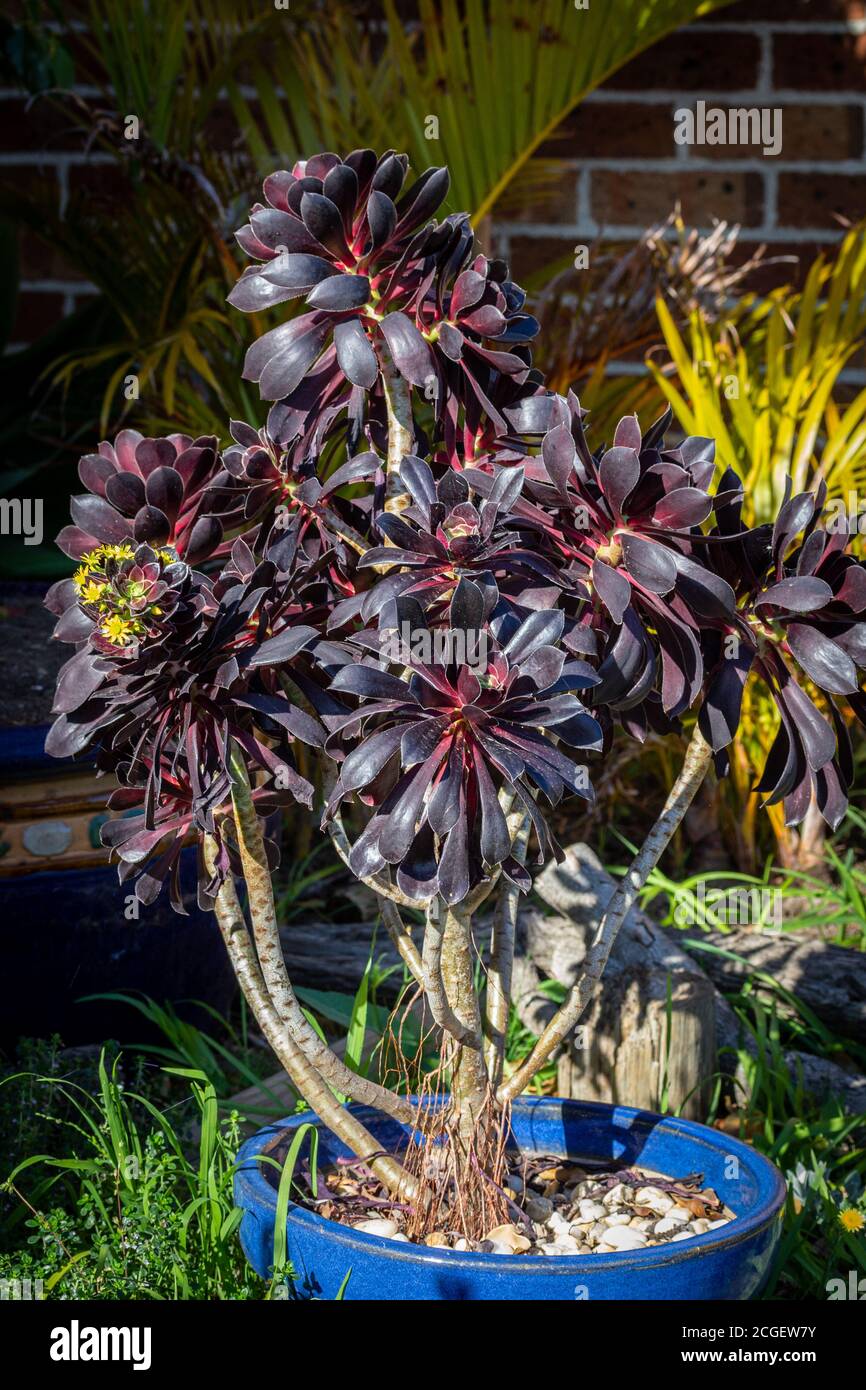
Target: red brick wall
[[617, 165]]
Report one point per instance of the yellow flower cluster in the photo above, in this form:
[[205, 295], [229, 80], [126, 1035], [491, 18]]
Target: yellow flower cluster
[[95, 590], [91, 571]]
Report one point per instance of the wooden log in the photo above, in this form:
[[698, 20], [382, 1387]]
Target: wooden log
[[830, 980], [334, 955], [649, 1036]]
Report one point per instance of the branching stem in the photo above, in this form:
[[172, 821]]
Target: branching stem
[[401, 427], [273, 966], [307, 1081], [501, 962], [694, 769]]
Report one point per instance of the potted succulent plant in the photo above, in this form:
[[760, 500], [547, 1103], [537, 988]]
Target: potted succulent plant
[[424, 576]]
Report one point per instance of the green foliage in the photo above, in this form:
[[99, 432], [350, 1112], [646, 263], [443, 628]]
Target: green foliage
[[817, 1145], [126, 1211], [496, 77], [160, 246], [765, 384], [228, 1057]]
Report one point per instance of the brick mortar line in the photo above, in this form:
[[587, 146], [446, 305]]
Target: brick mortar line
[[845, 27], [784, 96], [627, 231], [675, 164], [771, 197], [45, 285], [21, 94], [54, 159]]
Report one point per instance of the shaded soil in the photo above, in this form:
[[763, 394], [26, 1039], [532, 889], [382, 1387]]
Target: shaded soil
[[29, 659]]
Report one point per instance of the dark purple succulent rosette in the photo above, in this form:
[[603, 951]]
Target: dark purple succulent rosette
[[471, 316], [344, 236], [153, 491], [448, 533], [624, 524], [438, 746], [375, 273], [523, 411], [798, 621], [294, 509], [148, 838], [228, 662]]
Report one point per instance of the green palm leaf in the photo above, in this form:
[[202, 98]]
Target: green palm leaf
[[492, 78]]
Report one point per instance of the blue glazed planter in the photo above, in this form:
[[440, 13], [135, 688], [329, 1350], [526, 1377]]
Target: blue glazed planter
[[730, 1264]]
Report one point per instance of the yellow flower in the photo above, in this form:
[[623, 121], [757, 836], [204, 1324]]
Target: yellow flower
[[91, 592], [852, 1220], [117, 630]]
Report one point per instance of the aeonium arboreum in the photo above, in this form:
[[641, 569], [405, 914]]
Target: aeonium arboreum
[[415, 480], [799, 628], [447, 751]]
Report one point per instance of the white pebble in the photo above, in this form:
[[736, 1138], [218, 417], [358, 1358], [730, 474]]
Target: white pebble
[[591, 1211], [623, 1238], [655, 1199], [509, 1238], [614, 1196], [378, 1226], [678, 1215], [666, 1226]]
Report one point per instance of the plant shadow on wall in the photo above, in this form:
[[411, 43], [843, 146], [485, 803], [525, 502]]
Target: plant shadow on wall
[[415, 477], [194, 102]]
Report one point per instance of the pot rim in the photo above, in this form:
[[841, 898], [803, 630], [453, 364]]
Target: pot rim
[[253, 1191]]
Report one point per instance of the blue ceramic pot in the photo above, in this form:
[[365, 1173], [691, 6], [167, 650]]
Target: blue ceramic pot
[[729, 1264]]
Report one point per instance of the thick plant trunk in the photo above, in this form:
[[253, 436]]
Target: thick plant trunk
[[273, 966], [470, 1090]]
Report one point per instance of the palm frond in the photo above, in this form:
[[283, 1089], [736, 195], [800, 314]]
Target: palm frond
[[478, 85], [769, 387]]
